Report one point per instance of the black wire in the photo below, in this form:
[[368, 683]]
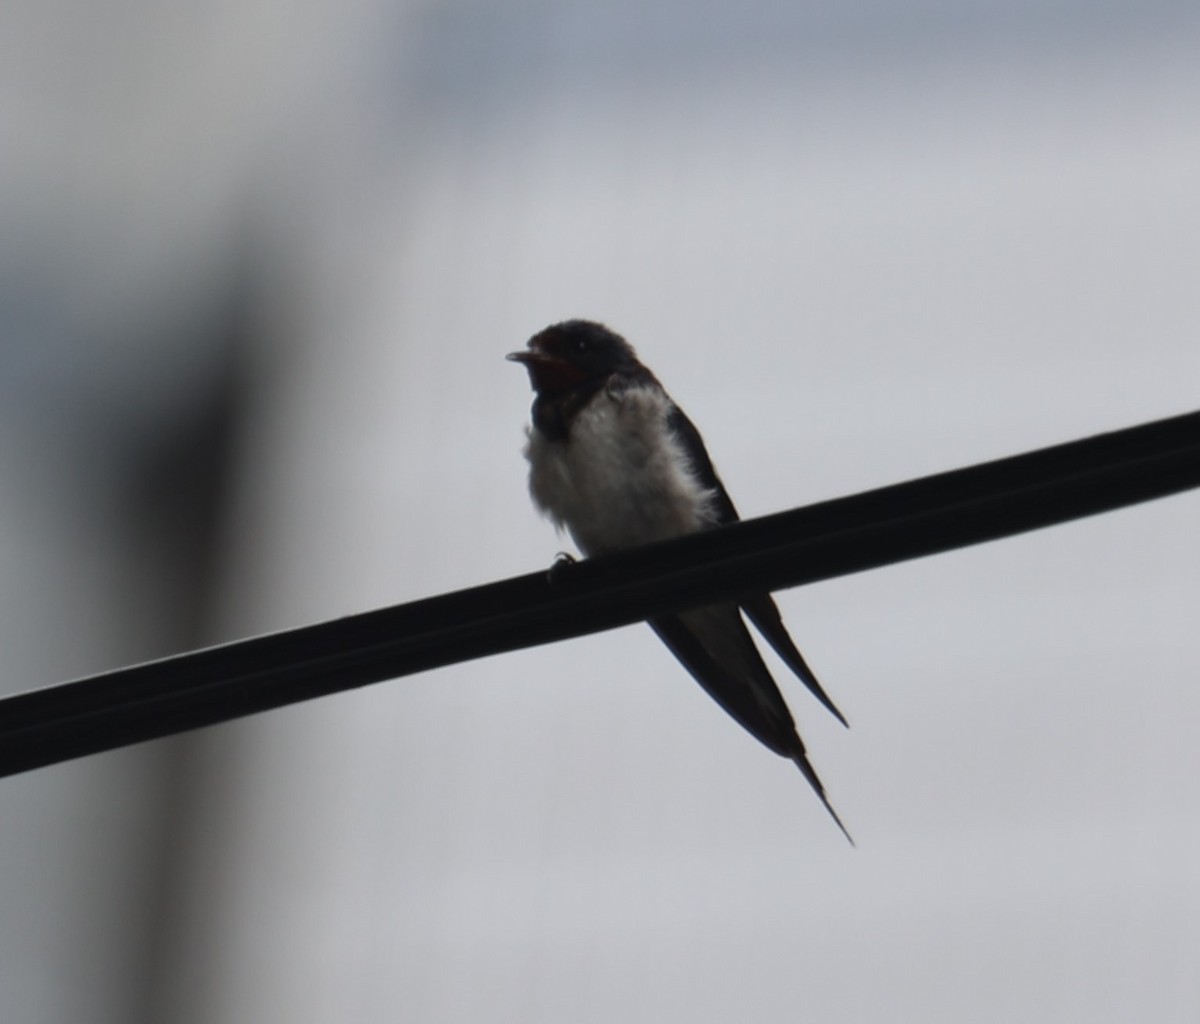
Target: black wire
[[833, 538]]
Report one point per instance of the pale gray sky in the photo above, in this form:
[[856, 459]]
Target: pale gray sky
[[859, 244]]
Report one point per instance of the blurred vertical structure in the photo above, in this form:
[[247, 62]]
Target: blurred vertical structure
[[131, 260], [113, 515]]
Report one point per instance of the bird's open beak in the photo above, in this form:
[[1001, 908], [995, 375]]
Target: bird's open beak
[[547, 373], [533, 354]]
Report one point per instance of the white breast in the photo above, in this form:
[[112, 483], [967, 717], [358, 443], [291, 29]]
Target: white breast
[[621, 478]]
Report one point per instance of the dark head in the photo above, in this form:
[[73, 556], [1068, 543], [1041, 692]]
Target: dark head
[[574, 354]]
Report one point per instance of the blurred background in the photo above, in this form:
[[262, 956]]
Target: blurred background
[[259, 266]]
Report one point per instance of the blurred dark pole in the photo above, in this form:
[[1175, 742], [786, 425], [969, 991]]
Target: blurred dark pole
[[179, 491]]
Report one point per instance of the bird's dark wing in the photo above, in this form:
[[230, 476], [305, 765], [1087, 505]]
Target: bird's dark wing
[[771, 725], [761, 610], [740, 682], [693, 445]]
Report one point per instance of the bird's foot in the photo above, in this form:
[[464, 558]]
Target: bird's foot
[[562, 565]]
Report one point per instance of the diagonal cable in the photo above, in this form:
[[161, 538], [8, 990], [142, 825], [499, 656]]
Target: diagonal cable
[[833, 538]]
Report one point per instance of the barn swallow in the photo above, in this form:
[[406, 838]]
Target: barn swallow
[[614, 461]]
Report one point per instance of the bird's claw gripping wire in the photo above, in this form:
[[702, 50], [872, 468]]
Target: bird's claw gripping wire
[[562, 565]]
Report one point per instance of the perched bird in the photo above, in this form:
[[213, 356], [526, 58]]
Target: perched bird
[[613, 460]]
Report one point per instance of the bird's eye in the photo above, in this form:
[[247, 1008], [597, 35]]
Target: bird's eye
[[581, 345]]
